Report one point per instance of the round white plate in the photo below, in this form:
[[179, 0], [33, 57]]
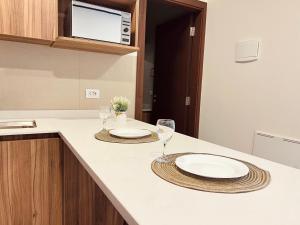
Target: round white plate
[[130, 133], [212, 166]]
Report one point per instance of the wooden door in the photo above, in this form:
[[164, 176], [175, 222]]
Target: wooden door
[[29, 19], [31, 182], [84, 201], [171, 78]]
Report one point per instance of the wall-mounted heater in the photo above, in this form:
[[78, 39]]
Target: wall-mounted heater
[[278, 149]]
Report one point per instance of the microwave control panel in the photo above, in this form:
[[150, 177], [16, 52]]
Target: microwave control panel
[[126, 28]]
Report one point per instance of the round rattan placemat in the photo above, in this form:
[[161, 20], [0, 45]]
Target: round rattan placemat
[[104, 135], [256, 179]]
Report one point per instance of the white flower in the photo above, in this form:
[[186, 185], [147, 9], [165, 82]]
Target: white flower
[[120, 104]]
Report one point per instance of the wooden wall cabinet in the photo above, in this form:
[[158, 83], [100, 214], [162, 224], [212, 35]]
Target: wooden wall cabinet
[[45, 22], [29, 20], [43, 183]]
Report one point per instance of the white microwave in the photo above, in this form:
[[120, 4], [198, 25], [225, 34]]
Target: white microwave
[[99, 23]]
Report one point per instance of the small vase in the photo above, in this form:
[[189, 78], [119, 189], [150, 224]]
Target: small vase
[[121, 117]]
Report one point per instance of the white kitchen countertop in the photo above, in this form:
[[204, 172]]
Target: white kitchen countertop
[[124, 174]]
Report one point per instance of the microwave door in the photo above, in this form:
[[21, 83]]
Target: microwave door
[[96, 24]]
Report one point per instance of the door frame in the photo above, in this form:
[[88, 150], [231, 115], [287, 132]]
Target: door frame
[[197, 52]]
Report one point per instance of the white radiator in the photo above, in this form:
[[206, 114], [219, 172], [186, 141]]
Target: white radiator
[[277, 149]]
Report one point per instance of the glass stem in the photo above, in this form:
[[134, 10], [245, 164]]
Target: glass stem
[[164, 149]]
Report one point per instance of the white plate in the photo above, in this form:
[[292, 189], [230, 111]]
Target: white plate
[[130, 133], [212, 166]]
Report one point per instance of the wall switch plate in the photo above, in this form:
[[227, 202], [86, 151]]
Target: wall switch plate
[[247, 51], [92, 93]]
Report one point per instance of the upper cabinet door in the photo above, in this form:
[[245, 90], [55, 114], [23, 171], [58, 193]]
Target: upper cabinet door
[[34, 20]]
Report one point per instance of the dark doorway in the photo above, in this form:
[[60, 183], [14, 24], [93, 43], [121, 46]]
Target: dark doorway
[[172, 71]]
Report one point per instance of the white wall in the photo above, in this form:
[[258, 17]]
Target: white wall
[[238, 99], [39, 77]]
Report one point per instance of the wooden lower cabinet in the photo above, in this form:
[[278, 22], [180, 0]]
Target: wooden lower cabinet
[[31, 182], [84, 202], [43, 183]]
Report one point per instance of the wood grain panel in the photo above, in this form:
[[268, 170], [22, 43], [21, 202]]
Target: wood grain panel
[[196, 67], [47, 181], [135, 23], [93, 46], [71, 188], [191, 4], [28, 137], [147, 117], [31, 182], [5, 209], [118, 2], [33, 19], [43, 183], [86, 197], [84, 202], [79, 201], [140, 42], [104, 211], [19, 181]]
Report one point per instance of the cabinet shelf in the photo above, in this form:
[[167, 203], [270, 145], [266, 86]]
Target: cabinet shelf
[[93, 46], [65, 41]]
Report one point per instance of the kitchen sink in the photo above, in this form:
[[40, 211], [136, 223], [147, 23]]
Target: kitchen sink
[[17, 124]]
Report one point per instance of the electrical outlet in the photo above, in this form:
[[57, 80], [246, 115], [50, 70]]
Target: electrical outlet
[[92, 93]]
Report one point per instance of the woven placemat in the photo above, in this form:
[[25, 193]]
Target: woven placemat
[[256, 179], [104, 135]]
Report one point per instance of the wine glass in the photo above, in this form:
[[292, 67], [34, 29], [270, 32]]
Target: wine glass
[[104, 114], [166, 129]]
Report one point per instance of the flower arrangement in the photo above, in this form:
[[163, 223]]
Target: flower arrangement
[[119, 104]]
